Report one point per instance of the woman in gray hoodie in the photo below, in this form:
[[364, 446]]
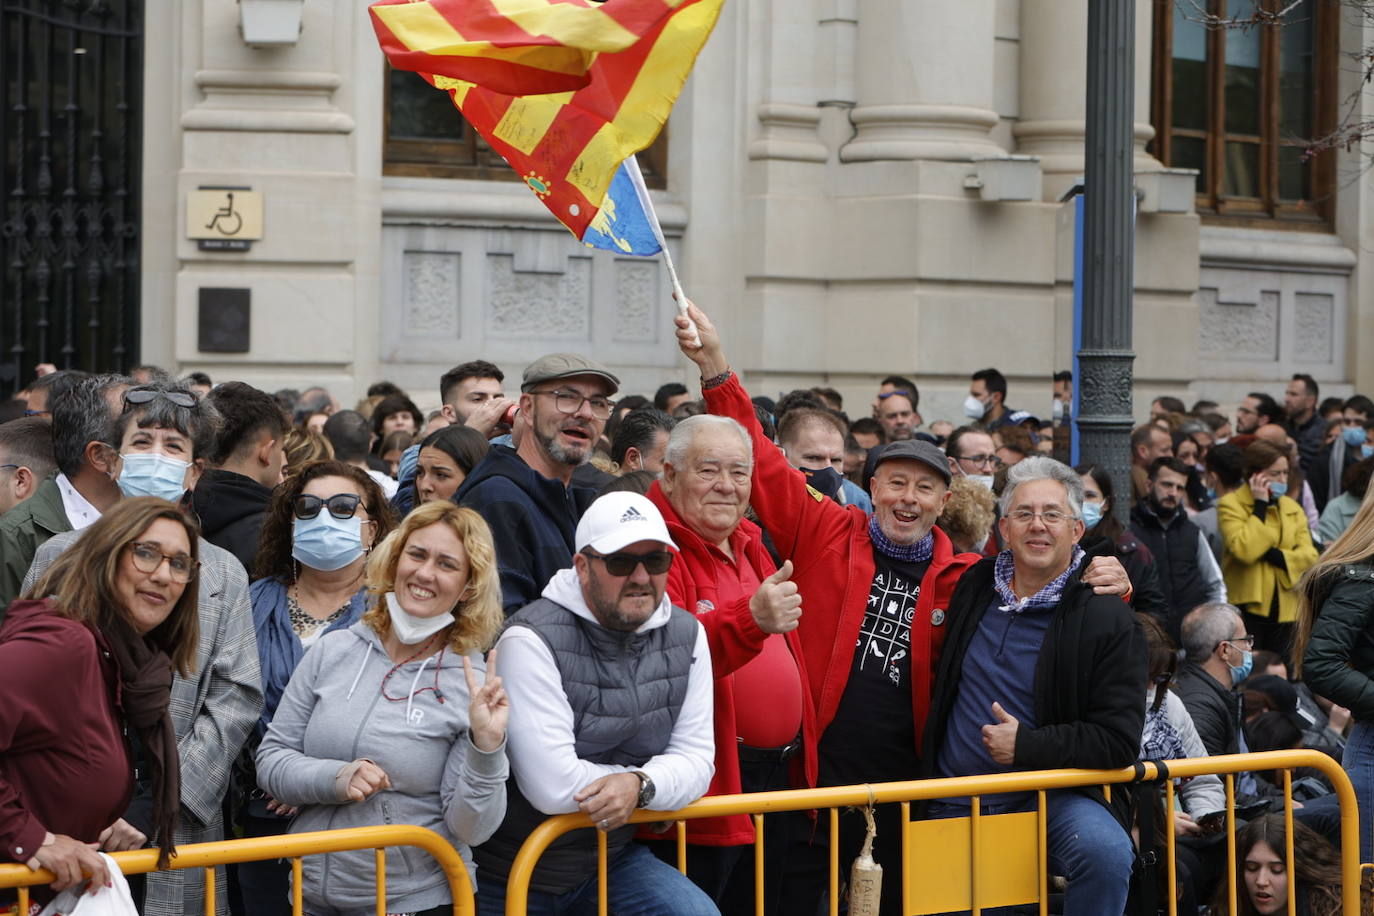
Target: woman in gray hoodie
[[387, 722]]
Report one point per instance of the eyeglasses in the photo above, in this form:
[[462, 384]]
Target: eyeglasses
[[570, 402], [6, 467], [981, 460], [623, 564], [1248, 640], [136, 396], [148, 556], [1052, 518], [340, 505], [38, 413]]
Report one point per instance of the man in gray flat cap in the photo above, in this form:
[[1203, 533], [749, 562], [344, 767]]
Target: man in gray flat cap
[[526, 493]]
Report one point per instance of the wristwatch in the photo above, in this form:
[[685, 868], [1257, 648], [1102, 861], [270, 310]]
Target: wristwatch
[[646, 789]]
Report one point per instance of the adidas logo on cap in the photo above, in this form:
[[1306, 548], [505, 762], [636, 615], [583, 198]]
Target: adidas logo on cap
[[632, 515]]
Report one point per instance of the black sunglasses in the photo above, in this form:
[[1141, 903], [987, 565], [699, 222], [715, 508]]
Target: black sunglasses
[[623, 564], [340, 505], [135, 396]]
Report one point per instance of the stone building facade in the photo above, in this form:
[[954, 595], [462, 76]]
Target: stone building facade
[[853, 188]]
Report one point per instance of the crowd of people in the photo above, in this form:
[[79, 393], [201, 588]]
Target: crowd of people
[[275, 615]]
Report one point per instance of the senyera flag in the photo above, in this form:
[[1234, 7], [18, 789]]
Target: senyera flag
[[564, 90]]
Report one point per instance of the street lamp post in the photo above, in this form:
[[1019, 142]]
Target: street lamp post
[[1105, 356]]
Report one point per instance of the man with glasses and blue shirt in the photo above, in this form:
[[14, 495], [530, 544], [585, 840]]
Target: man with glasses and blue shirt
[[610, 710], [526, 493], [1039, 672]]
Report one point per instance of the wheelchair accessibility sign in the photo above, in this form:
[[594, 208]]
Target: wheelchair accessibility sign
[[224, 218]]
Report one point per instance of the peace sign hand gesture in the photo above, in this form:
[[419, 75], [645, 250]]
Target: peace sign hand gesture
[[489, 708]]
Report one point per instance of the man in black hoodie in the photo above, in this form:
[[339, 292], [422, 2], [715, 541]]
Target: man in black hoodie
[[246, 463], [527, 494]]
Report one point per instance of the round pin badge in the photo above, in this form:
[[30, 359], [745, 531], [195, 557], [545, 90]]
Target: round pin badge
[[937, 617]]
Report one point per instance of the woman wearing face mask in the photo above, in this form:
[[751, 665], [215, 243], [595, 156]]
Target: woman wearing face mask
[[401, 696], [447, 457], [1264, 883], [309, 582], [1268, 548], [157, 457], [87, 655], [1102, 526]]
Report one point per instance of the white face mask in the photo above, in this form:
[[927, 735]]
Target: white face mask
[[1057, 409], [412, 630], [974, 408], [984, 479]]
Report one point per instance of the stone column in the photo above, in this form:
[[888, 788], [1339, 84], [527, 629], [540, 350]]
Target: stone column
[[1054, 53], [925, 75]]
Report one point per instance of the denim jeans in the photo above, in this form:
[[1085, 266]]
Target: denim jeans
[[637, 884], [1085, 844], [1358, 760]]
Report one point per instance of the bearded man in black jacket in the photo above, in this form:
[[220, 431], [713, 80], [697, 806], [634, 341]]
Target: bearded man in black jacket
[[1039, 672]]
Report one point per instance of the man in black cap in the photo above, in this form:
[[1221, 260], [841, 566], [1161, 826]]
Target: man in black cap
[[526, 493], [875, 590]]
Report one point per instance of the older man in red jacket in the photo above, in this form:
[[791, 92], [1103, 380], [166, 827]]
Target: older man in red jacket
[[874, 589], [749, 609]]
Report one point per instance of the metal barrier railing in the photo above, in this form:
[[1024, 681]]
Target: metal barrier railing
[[286, 846], [985, 886]]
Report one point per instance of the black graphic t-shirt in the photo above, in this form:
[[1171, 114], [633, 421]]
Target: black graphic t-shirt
[[873, 736]]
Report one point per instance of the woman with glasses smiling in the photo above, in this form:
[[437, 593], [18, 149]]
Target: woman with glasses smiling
[[309, 581], [115, 617]]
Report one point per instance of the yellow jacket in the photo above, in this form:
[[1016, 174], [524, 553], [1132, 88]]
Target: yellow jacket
[[1250, 580]]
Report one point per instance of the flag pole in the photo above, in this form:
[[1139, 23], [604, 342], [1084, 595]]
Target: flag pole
[[642, 192]]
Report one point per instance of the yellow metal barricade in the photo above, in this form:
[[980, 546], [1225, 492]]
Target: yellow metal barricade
[[982, 860], [291, 846]]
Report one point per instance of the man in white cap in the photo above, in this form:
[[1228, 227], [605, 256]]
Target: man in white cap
[[611, 710]]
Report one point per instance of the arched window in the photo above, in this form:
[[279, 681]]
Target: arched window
[[1240, 89]]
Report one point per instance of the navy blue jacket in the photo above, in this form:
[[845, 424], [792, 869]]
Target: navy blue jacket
[[532, 519]]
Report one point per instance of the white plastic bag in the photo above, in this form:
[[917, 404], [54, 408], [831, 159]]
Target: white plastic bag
[[107, 901]]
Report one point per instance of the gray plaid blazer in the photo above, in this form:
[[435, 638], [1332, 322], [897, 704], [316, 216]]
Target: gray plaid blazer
[[212, 711]]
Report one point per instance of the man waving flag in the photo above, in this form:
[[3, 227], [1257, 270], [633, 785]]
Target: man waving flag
[[564, 90]]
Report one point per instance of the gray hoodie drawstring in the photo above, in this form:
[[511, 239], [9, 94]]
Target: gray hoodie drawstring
[[357, 677], [410, 698]]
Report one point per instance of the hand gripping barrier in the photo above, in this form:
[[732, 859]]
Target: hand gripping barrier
[[287, 846], [945, 863]]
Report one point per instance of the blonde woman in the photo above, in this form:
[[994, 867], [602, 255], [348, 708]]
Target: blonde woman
[[1334, 649], [390, 722]]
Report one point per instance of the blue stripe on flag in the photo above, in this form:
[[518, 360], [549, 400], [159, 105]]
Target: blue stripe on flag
[[622, 225]]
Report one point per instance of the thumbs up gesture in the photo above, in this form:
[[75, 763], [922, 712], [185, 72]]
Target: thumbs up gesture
[[1000, 738], [777, 605]]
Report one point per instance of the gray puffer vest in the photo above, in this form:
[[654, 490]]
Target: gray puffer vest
[[625, 690]]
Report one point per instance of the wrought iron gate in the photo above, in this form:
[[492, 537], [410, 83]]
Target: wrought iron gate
[[70, 140]]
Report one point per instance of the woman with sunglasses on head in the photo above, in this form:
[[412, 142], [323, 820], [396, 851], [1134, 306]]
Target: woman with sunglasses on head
[[114, 616], [392, 720], [309, 581]]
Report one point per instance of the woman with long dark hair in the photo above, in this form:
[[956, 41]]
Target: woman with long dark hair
[[1264, 883], [1102, 526], [446, 458], [88, 651]]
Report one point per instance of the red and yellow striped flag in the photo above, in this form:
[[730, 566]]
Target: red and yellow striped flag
[[564, 90]]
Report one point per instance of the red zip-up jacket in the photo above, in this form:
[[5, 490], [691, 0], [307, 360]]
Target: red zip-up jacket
[[64, 766], [735, 639], [832, 555]]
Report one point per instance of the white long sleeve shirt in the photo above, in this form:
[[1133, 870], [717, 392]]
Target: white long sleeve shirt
[[541, 744]]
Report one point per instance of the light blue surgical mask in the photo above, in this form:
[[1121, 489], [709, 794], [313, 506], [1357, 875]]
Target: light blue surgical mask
[[1092, 514], [1277, 489], [152, 474], [1366, 451], [1354, 436], [1242, 671], [327, 543]]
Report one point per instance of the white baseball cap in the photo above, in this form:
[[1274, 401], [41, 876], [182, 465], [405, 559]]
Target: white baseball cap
[[618, 520]]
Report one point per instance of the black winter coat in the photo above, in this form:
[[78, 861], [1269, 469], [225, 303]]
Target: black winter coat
[[231, 508], [1339, 660], [1090, 678]]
